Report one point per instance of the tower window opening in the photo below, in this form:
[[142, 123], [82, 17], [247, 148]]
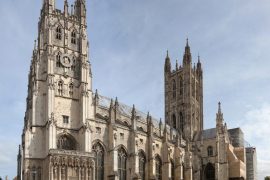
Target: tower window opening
[[65, 119], [73, 37], [71, 89], [174, 89], [58, 60], [181, 119], [181, 86], [174, 121], [58, 33], [210, 151], [60, 88]]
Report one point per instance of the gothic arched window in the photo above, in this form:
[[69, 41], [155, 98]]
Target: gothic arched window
[[66, 142], [174, 89], [58, 33], [181, 86], [71, 90], [181, 119], [158, 165], [122, 164], [172, 170], [210, 151], [174, 121], [99, 161], [58, 60], [209, 172], [73, 37], [142, 161], [60, 88]]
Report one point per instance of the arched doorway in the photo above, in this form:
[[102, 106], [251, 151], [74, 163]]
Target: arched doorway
[[209, 172]]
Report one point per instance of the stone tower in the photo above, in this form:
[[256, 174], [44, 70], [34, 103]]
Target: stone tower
[[59, 102], [184, 95]]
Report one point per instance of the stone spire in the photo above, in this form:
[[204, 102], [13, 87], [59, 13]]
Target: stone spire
[[187, 55], [219, 118], [167, 67]]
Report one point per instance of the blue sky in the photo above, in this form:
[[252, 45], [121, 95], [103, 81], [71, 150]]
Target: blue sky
[[128, 43]]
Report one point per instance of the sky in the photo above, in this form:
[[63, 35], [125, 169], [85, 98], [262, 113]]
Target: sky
[[128, 44]]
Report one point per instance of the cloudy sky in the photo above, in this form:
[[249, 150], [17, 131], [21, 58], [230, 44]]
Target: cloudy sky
[[129, 40]]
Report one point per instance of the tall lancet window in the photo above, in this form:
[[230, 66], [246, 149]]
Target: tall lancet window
[[172, 170], [71, 90], [158, 165], [174, 121], [60, 88], [58, 60], [181, 86], [73, 37], [58, 33], [181, 119], [73, 66], [122, 164], [142, 161], [174, 89], [99, 155]]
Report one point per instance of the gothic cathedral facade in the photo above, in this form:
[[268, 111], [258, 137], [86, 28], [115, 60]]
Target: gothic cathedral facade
[[73, 133]]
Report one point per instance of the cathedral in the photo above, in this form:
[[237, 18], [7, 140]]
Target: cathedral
[[71, 132]]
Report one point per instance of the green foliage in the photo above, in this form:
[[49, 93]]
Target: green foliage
[[267, 178]]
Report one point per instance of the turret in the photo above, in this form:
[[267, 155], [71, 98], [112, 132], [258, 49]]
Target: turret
[[48, 5], [80, 8], [187, 56], [167, 67], [66, 8]]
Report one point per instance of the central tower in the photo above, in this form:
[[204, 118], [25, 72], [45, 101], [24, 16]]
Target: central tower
[[59, 102], [184, 95]]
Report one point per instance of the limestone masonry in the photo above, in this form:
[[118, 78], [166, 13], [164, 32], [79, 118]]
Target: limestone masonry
[[73, 133]]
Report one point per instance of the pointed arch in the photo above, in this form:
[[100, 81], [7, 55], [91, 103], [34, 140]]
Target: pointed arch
[[66, 142], [209, 172], [99, 153], [60, 88], [142, 164], [158, 165], [122, 163], [71, 90]]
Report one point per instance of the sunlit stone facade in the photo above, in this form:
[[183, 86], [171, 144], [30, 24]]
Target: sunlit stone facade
[[73, 133]]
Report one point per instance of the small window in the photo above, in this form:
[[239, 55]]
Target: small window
[[58, 33], [58, 60], [60, 88], [65, 119], [210, 151], [71, 90], [73, 37]]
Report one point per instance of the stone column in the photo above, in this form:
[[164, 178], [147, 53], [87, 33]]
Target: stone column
[[59, 172]]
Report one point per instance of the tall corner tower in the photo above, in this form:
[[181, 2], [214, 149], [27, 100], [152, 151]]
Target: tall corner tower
[[59, 101], [184, 95]]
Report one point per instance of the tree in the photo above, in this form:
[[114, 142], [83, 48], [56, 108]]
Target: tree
[[266, 178]]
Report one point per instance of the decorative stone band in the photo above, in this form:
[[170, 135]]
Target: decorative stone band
[[71, 158]]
